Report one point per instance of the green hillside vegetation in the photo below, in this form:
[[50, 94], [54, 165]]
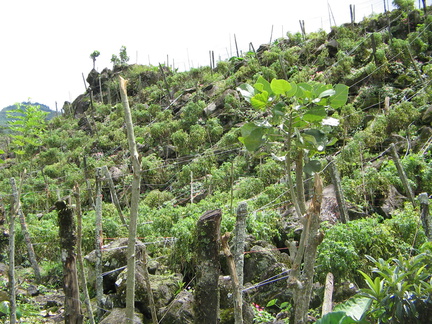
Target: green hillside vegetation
[[212, 138]]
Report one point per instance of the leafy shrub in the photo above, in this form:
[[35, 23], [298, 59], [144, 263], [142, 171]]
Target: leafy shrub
[[181, 140], [400, 290], [248, 187], [345, 245], [156, 198], [191, 113]]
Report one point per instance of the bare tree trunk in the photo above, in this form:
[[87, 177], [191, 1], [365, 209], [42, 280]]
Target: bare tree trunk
[[301, 278], [98, 244], [299, 182], [131, 268], [80, 257], [208, 268], [12, 284], [114, 194], [68, 238]]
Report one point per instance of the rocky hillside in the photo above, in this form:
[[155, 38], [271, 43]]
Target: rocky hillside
[[188, 124]]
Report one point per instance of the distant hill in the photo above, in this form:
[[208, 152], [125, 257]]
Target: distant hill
[[3, 112]]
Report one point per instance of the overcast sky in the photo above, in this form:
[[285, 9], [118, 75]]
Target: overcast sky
[[46, 44]]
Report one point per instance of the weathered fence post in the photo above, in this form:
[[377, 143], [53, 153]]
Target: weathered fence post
[[208, 268], [327, 306], [425, 216], [68, 239]]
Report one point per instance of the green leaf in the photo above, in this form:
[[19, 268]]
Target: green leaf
[[335, 318], [315, 114], [319, 138], [327, 93], [271, 302], [340, 97], [246, 90], [4, 307], [293, 90], [312, 167], [252, 136], [263, 85], [304, 91], [280, 86], [356, 307], [260, 100]]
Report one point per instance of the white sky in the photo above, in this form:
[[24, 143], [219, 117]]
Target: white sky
[[46, 44]]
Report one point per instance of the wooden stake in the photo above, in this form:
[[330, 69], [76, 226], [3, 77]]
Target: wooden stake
[[133, 218], [114, 196], [271, 35], [12, 283], [27, 239], [402, 174], [425, 216], [235, 42], [335, 177], [328, 295], [238, 300], [191, 188], [99, 243], [206, 305], [67, 236], [80, 257]]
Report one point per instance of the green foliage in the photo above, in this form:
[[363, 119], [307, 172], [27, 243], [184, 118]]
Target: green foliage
[[248, 187], [122, 59], [156, 198], [401, 289], [27, 124], [405, 5], [191, 113], [298, 110], [345, 245], [93, 56], [351, 311]]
